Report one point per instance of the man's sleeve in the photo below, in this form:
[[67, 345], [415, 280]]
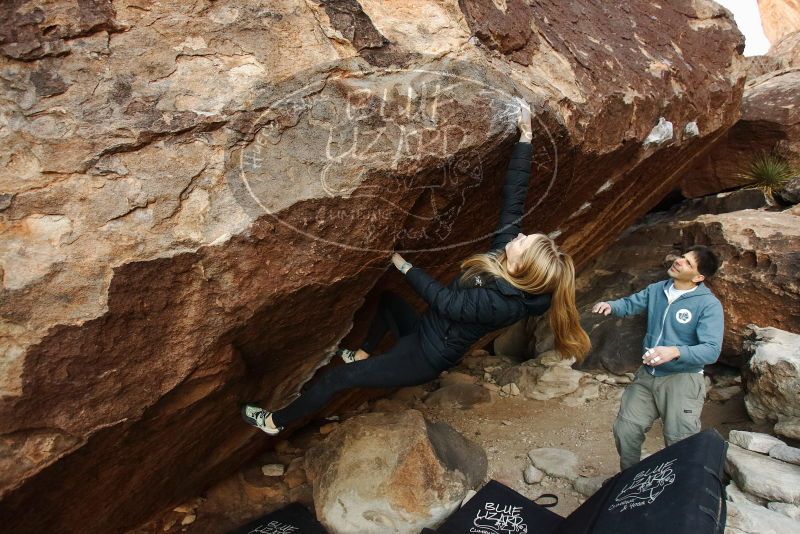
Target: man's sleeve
[[710, 330], [467, 305], [631, 305]]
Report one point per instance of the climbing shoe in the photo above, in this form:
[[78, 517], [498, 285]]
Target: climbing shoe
[[257, 417]]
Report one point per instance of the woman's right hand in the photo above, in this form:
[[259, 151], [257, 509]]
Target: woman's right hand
[[524, 121]]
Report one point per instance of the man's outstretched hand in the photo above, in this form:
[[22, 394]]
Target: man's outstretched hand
[[524, 121], [602, 307]]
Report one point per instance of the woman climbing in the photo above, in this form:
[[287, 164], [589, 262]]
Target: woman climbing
[[521, 275]]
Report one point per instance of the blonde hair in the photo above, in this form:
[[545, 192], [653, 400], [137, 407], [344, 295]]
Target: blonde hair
[[542, 269]]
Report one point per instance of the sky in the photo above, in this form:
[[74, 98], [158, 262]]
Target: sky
[[747, 17]]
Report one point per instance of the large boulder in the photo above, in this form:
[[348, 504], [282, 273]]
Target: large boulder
[[757, 282], [185, 188], [763, 476], [772, 375], [391, 473]]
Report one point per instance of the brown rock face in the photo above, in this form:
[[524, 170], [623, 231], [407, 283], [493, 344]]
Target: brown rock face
[[779, 18], [770, 122], [757, 282], [195, 200]]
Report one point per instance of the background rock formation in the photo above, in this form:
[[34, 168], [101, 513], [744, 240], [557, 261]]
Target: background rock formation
[[188, 191], [770, 122], [757, 282], [779, 18]]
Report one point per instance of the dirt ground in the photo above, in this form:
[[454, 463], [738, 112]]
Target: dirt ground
[[509, 427]]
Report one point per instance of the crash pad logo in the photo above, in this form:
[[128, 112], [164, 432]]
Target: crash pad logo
[[369, 158], [499, 519], [645, 487], [683, 316], [275, 527]]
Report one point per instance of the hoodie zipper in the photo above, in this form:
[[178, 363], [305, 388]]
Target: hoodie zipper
[[652, 370]]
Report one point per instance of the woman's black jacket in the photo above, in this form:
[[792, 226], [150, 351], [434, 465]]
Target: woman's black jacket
[[458, 316]]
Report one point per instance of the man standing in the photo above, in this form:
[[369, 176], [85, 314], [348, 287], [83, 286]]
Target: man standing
[[684, 333]]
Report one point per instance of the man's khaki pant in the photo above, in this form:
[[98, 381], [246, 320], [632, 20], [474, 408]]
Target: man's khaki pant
[[677, 399]]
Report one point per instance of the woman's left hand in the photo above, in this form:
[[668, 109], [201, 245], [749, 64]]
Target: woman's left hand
[[398, 260]]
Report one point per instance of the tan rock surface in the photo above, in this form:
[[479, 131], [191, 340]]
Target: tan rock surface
[[391, 473], [772, 375], [146, 291], [779, 18]]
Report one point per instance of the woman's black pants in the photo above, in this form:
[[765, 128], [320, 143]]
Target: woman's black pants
[[402, 365]]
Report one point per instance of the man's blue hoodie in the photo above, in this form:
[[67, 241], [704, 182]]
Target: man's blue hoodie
[[694, 323]]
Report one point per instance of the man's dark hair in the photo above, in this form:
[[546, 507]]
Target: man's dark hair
[[707, 261]]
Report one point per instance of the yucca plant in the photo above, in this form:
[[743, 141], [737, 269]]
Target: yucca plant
[[769, 171]]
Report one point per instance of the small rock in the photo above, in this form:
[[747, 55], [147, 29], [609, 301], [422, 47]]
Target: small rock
[[507, 423], [461, 395], [410, 395], [455, 377], [273, 470], [389, 405], [601, 378], [584, 394], [490, 386], [588, 486], [789, 510], [510, 389], [327, 428], [753, 441], [552, 358], [724, 394], [487, 377], [624, 379], [559, 463], [285, 447], [188, 519], [183, 509], [532, 475], [785, 453]]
